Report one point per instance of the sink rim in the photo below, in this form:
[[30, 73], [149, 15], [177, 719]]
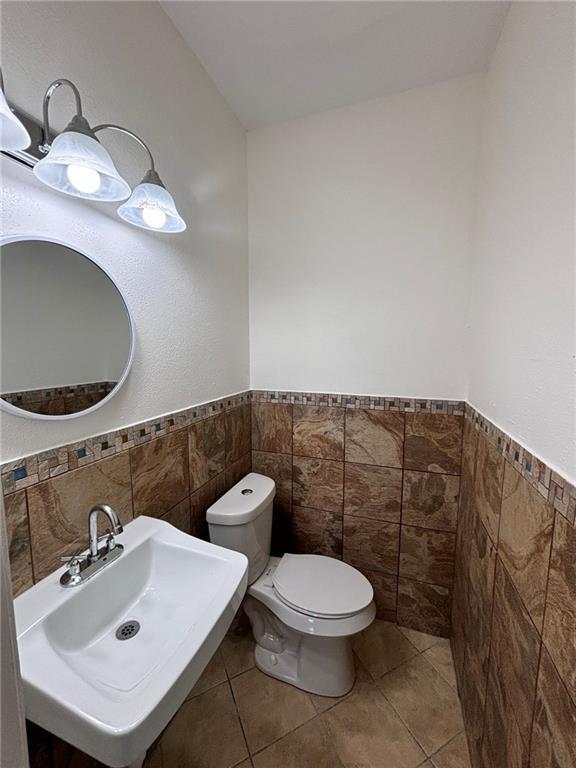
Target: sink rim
[[62, 701]]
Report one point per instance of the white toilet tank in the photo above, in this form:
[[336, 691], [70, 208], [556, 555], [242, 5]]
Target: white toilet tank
[[242, 520]]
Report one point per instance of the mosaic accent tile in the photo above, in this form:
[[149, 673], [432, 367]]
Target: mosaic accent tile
[[364, 402], [58, 401], [30, 470], [549, 484]]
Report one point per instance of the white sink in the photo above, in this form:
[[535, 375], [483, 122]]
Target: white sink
[[111, 698]]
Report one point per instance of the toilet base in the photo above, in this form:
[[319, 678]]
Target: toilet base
[[320, 665], [285, 667]]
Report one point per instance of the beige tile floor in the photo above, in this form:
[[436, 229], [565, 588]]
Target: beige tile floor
[[403, 712]]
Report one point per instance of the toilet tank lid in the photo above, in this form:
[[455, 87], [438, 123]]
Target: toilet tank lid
[[244, 502]]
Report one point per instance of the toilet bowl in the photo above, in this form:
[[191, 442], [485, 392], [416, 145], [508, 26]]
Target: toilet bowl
[[304, 609]]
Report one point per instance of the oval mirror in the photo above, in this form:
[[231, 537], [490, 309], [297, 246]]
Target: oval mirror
[[67, 337]]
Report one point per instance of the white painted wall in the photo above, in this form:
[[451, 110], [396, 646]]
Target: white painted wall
[[62, 319], [189, 292], [360, 222], [523, 341]]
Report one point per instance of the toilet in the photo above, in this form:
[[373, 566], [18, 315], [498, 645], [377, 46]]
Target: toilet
[[304, 609]]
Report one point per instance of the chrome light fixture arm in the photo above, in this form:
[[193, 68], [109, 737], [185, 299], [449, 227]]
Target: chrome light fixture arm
[[113, 127], [78, 122]]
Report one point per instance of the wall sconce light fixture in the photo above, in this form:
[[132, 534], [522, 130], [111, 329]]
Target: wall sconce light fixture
[[76, 163], [13, 134], [150, 206]]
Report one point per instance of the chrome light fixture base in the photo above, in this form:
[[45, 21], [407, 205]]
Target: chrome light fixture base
[[75, 162]]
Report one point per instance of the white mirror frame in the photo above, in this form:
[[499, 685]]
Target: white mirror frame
[[21, 412]]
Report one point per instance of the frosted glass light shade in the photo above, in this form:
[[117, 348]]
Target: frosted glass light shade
[[152, 207], [63, 166], [13, 135]]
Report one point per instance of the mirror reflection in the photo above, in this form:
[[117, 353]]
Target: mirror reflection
[[65, 329]]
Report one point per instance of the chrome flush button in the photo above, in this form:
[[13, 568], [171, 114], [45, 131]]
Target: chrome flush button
[[247, 491]]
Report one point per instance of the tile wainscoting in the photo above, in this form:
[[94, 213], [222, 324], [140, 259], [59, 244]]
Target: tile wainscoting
[[428, 498], [373, 481], [59, 401], [514, 612], [173, 467]]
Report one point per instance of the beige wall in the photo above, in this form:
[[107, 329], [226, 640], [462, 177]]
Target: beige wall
[[523, 306], [360, 221], [189, 292]]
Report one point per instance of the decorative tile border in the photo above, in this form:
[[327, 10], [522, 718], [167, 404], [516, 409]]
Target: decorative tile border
[[549, 484], [365, 402], [25, 397], [22, 473]]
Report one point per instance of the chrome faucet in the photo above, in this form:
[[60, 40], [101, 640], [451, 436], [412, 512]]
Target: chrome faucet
[[93, 529], [83, 566]]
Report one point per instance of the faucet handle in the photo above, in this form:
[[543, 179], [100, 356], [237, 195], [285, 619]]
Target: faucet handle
[[74, 565]]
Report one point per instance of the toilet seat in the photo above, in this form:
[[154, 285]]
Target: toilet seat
[[321, 586], [264, 591]]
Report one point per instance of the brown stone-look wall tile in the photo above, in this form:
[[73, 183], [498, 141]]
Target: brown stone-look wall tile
[[179, 516], [160, 474], [318, 431], [238, 439], [206, 448], [58, 509], [560, 621], [503, 745], [489, 478], [473, 700], [278, 467], [525, 540], [374, 437], [385, 587], [425, 607], [315, 532], [469, 449], [433, 442], [18, 538], [371, 544], [478, 610], [553, 742], [427, 555], [515, 651], [371, 491], [430, 500], [200, 500], [272, 427], [317, 483], [236, 471]]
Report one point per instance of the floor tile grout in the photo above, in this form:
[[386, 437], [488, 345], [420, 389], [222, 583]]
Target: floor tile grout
[[406, 661], [239, 720], [319, 715]]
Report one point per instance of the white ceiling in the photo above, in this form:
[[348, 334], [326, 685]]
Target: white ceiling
[[275, 60]]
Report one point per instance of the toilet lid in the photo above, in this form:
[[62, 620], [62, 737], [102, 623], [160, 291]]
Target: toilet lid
[[321, 586]]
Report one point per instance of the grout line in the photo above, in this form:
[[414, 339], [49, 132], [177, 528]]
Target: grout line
[[416, 739], [531, 734], [238, 716]]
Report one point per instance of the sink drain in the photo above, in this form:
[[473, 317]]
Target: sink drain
[[127, 630]]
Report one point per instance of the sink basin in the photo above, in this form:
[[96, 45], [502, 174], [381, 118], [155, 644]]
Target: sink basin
[[106, 665]]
